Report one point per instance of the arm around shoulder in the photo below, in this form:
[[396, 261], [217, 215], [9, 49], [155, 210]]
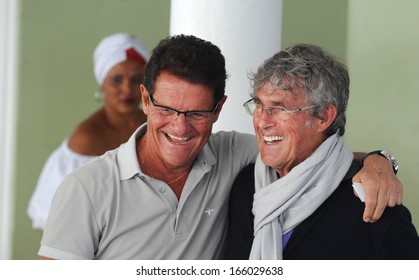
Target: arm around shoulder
[[382, 187]]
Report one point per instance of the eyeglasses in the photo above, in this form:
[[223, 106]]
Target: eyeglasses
[[276, 112], [191, 116]]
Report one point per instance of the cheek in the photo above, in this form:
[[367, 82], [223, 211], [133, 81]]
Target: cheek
[[205, 130], [255, 123], [108, 88], [204, 133], [110, 94], [154, 121]]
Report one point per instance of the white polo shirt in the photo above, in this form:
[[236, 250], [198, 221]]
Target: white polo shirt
[[110, 209]]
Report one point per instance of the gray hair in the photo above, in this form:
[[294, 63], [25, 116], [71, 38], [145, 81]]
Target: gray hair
[[323, 78]]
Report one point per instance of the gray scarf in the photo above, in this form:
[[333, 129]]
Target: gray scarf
[[281, 204]]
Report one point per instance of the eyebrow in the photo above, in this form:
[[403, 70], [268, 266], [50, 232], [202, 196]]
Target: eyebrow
[[188, 111], [274, 103]]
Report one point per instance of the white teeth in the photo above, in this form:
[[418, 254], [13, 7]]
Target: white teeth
[[178, 138], [272, 138]]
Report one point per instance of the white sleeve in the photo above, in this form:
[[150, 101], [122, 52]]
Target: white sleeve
[[60, 163]]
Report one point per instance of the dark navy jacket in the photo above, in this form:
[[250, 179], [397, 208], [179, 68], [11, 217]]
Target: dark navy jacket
[[334, 231]]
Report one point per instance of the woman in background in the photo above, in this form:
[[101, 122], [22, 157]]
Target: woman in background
[[119, 62]]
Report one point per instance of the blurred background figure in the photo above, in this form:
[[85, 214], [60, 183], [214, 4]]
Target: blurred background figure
[[119, 62]]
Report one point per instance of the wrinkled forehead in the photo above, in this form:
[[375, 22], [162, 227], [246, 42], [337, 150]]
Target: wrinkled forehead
[[281, 94]]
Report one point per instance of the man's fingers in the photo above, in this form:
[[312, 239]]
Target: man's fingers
[[383, 200], [392, 200], [379, 210], [370, 205], [399, 196], [368, 213]]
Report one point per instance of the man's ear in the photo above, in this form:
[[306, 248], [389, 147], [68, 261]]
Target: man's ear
[[327, 116], [220, 106], [144, 99]]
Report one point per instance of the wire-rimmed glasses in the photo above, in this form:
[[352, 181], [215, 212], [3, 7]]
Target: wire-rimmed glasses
[[276, 112]]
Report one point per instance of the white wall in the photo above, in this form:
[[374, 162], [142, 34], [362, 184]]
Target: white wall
[[246, 31], [8, 64]]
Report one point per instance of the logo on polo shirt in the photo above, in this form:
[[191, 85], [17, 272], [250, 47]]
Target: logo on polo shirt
[[209, 211]]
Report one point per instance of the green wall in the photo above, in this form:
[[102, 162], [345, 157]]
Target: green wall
[[383, 59], [56, 81], [377, 39], [321, 22]]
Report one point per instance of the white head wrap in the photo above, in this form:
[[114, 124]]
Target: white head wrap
[[115, 49]]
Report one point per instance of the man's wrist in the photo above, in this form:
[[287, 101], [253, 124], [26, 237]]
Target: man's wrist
[[386, 155]]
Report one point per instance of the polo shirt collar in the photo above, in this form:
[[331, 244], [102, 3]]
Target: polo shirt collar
[[206, 158], [127, 155]]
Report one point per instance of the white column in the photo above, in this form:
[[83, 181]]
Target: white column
[[246, 31], [9, 13]]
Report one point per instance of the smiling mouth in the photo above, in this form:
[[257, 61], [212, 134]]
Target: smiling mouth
[[177, 140], [272, 139]]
